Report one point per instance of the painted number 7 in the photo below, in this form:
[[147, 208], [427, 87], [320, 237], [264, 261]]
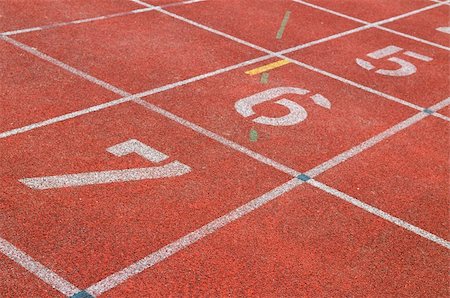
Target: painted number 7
[[175, 168]]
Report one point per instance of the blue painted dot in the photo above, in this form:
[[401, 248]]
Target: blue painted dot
[[303, 177], [82, 294], [428, 111]]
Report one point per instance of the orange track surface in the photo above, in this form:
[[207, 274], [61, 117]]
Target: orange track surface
[[138, 159]]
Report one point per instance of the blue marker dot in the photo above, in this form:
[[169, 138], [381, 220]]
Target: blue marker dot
[[303, 177]]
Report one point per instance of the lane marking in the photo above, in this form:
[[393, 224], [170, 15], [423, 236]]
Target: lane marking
[[93, 19], [331, 163], [265, 78], [163, 253], [267, 67], [39, 270], [379, 23], [63, 117], [380, 213], [283, 24]]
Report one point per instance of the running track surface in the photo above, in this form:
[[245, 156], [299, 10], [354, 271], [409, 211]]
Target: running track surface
[[267, 148]]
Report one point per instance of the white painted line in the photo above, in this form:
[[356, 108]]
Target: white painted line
[[374, 140], [418, 56], [380, 213], [379, 23], [440, 105], [365, 145], [33, 266], [63, 117], [93, 19], [191, 238], [218, 138], [69, 68]]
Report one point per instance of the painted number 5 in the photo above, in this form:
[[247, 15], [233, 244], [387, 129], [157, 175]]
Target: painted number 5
[[406, 68]]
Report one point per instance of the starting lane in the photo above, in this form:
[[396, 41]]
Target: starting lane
[[410, 70], [307, 243], [33, 90], [139, 52], [85, 233], [301, 119], [406, 176]]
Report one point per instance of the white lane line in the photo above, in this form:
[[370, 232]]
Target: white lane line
[[377, 24], [365, 145], [374, 140], [63, 117], [80, 21], [380, 213], [64, 66], [304, 65], [191, 238], [33, 266], [218, 138]]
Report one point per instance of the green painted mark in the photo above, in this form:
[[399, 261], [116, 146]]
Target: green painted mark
[[265, 78], [253, 135], [283, 24]]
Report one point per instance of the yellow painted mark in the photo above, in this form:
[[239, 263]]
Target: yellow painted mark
[[267, 67]]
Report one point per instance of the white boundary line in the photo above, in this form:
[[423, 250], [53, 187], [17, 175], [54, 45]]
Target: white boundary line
[[374, 140], [380, 213], [307, 66], [375, 24], [33, 266], [104, 17]]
